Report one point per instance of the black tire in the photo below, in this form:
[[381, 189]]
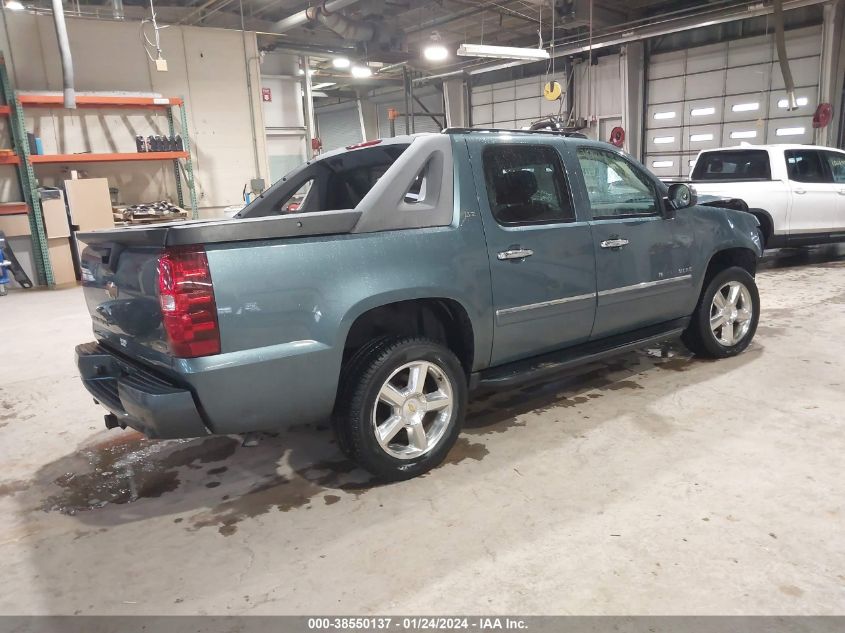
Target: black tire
[[700, 338], [365, 375]]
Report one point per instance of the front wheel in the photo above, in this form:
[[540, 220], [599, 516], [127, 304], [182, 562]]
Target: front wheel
[[401, 407], [725, 319]]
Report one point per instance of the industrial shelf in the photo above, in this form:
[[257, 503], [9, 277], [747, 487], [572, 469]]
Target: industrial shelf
[[105, 158], [13, 208], [4, 109], [9, 159], [95, 101]]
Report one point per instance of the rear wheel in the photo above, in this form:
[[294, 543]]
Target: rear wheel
[[401, 407], [726, 316]]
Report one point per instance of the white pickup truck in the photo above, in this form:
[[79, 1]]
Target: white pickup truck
[[797, 192]]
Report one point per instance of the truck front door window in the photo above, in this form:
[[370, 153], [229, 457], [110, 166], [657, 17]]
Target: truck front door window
[[526, 185], [614, 186]]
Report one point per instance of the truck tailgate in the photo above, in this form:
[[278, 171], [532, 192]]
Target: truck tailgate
[[120, 284]]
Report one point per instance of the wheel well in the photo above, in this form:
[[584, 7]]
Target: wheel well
[[742, 257], [766, 224], [442, 320]]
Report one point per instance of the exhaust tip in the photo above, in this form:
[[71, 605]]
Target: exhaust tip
[[112, 422]]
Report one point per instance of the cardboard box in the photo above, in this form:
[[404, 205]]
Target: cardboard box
[[55, 217], [61, 260], [89, 203], [15, 225]]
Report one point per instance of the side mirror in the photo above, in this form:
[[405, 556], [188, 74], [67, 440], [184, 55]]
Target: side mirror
[[682, 196]]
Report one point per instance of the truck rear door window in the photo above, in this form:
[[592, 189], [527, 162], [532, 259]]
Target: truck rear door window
[[836, 162], [745, 164], [805, 166], [526, 185]]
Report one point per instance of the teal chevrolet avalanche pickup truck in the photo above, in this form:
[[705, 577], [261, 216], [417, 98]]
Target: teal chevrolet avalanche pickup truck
[[378, 285]]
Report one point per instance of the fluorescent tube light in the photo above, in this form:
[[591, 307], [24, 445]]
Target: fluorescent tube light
[[702, 111], [664, 115], [789, 131], [435, 52], [502, 52], [14, 5], [341, 62], [700, 137], [662, 163], [744, 134], [662, 140], [360, 72]]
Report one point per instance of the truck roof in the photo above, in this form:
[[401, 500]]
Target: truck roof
[[769, 146]]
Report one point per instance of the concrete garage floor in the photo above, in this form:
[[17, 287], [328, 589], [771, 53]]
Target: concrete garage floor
[[644, 486]]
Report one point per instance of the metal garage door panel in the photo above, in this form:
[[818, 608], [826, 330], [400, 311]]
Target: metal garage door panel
[[777, 99], [666, 90], [504, 92], [482, 115], [503, 114], [664, 165], [482, 95], [667, 65], [699, 137], [803, 42], [743, 132], [705, 85], [339, 127], [527, 108], [747, 78], [740, 107], [548, 108], [658, 116], [754, 50], [705, 58], [792, 130], [701, 107], [805, 72], [661, 141]]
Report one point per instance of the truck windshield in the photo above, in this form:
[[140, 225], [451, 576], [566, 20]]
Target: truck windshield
[[733, 165]]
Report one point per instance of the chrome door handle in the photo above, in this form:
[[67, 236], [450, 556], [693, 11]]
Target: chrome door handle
[[515, 253], [616, 242], [799, 190]]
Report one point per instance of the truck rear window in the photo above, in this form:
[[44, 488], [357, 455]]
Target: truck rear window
[[746, 164]]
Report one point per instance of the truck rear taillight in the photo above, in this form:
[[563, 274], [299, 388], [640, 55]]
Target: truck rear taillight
[[188, 308]]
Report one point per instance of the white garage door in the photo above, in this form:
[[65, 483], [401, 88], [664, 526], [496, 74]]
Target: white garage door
[[339, 125], [726, 94], [511, 105]]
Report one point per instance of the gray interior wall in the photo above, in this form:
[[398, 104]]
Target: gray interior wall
[[205, 66]]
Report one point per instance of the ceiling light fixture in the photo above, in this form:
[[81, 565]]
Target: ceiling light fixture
[[341, 62], [434, 50], [323, 85], [502, 52], [14, 5], [361, 72]]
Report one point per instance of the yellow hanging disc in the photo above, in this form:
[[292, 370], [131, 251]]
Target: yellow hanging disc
[[552, 91]]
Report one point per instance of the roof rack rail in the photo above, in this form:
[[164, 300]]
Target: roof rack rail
[[467, 130]]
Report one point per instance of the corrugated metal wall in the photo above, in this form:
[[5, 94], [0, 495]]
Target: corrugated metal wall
[[339, 125], [725, 94]]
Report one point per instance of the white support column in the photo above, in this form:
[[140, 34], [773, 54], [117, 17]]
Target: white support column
[[368, 117], [453, 97], [832, 69], [308, 104], [633, 95]]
